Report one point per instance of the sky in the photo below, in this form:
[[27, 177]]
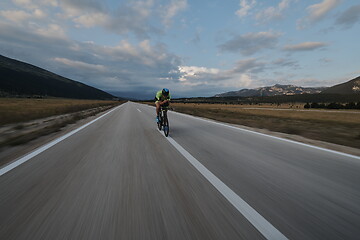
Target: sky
[[194, 48]]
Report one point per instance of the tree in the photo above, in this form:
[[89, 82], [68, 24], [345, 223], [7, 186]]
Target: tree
[[350, 105], [335, 105], [314, 105]]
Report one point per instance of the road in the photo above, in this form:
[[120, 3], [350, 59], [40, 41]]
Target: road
[[120, 178]]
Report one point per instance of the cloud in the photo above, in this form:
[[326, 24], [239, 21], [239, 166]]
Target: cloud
[[193, 72], [20, 16], [22, 2], [213, 79], [52, 31], [350, 17], [241, 80], [251, 43], [242, 74], [83, 66], [129, 17], [305, 46], [273, 13], [133, 17], [25, 3], [17, 16], [310, 82], [245, 7], [35, 4], [317, 12], [172, 10], [91, 20], [251, 65], [286, 63], [53, 3], [39, 14], [74, 8]]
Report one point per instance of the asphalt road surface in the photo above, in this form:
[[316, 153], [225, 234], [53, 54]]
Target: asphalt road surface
[[120, 178]]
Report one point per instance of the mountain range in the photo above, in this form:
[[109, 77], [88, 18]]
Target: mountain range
[[23, 79], [271, 91], [350, 87]]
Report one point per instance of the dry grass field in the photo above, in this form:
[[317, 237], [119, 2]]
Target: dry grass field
[[335, 126], [14, 110]]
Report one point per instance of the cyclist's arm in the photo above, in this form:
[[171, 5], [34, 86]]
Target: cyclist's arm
[[168, 98], [158, 96]]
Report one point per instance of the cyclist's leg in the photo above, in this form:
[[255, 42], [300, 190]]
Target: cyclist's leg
[[157, 103]]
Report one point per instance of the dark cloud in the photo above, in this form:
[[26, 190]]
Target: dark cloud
[[350, 17], [251, 43]]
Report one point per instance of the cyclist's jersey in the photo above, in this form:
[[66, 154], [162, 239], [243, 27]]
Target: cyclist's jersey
[[160, 97]]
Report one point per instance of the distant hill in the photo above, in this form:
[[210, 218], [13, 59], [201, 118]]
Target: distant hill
[[350, 87], [272, 91], [23, 79]]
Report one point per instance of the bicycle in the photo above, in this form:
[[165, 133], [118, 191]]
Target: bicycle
[[163, 120]]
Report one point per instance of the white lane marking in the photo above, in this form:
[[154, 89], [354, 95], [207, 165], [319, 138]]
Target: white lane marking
[[138, 110], [49, 145], [302, 110], [273, 137], [258, 221]]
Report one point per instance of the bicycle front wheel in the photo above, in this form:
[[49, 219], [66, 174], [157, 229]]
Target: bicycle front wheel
[[166, 126]]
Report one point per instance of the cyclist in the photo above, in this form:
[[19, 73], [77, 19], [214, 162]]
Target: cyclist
[[162, 98]]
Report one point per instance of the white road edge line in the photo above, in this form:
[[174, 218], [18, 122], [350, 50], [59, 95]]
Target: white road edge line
[[138, 110], [41, 149], [265, 135], [258, 221]]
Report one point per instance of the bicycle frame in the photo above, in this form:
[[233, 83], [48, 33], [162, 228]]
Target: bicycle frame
[[164, 122]]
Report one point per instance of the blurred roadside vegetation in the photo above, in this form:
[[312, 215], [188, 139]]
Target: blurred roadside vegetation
[[25, 119], [15, 110]]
